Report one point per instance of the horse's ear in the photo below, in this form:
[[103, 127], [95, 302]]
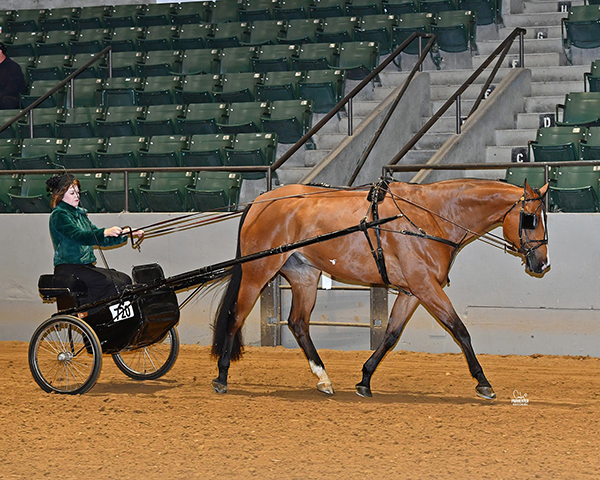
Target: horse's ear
[[544, 189]]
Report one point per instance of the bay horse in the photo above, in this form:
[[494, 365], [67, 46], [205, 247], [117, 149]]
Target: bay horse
[[432, 223]]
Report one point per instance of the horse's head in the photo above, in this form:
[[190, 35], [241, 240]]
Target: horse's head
[[525, 227]]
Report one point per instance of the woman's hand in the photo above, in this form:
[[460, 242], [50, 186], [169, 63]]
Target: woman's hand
[[135, 233], [113, 232]]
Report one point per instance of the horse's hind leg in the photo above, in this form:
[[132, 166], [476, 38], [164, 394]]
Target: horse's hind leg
[[304, 279], [403, 308]]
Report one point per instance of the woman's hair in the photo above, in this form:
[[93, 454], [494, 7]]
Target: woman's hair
[[59, 186]]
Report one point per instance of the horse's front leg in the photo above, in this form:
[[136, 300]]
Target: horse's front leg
[[403, 308], [438, 303]]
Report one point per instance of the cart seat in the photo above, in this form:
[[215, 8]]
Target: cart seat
[[55, 286]]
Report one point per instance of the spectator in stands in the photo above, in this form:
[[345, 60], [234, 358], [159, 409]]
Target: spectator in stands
[[12, 81], [74, 236]]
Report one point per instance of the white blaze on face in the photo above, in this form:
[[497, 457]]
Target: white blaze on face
[[333, 261]]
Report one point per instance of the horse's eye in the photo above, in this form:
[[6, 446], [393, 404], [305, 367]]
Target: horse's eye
[[529, 221]]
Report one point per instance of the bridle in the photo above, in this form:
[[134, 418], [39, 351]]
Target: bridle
[[529, 221]]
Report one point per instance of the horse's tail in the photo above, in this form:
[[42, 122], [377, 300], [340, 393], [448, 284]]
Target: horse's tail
[[227, 312]]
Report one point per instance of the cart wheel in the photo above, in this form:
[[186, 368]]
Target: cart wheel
[[65, 355], [151, 362]]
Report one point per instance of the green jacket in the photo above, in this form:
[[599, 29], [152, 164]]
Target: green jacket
[[74, 236]]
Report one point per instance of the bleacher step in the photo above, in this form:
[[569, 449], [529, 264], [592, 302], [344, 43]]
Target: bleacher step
[[514, 137]]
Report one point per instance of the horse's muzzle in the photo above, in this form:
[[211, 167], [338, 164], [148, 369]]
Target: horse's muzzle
[[536, 265]]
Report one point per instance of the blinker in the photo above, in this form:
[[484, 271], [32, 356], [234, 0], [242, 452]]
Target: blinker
[[529, 221]]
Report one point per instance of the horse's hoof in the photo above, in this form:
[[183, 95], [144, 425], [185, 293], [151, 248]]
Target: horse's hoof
[[219, 387], [325, 387], [363, 391], [485, 392]]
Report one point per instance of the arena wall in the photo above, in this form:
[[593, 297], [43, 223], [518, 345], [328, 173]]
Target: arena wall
[[506, 310]]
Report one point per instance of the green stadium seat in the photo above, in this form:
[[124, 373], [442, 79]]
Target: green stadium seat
[[188, 13], [90, 17], [160, 120], [237, 59], [438, 6], [289, 119], [592, 78], [89, 41], [23, 44], [120, 91], [26, 20], [79, 122], [206, 150], [192, 36], [266, 32], [455, 30], [38, 153], [8, 148], [358, 59], [324, 87], [44, 123], [156, 14], [257, 10], [120, 121], [280, 86], [202, 118], [59, 19], [157, 91], [215, 191], [327, 8], [576, 189], [124, 39], [409, 23], [292, 9], [39, 88], [590, 147], [80, 153], [244, 117], [581, 27], [10, 131], [197, 88], [122, 16], [223, 10], [302, 30], [400, 7], [338, 30], [55, 42], [111, 195], [79, 60], [158, 37], [30, 195], [166, 191], [50, 67], [252, 149], [86, 92], [87, 193], [238, 87], [163, 151], [535, 176], [121, 152], [274, 58], [377, 28], [488, 11], [195, 62], [228, 34], [363, 8], [557, 144], [580, 109], [317, 56], [124, 64], [8, 184]]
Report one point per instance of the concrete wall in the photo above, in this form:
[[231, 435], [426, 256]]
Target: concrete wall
[[505, 310], [337, 167]]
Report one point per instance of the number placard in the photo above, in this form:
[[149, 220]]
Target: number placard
[[121, 311]]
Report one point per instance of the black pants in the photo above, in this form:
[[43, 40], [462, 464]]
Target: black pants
[[9, 103], [101, 283]]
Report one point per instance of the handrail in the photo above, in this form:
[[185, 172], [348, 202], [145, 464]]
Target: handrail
[[56, 88], [348, 98], [500, 52]]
